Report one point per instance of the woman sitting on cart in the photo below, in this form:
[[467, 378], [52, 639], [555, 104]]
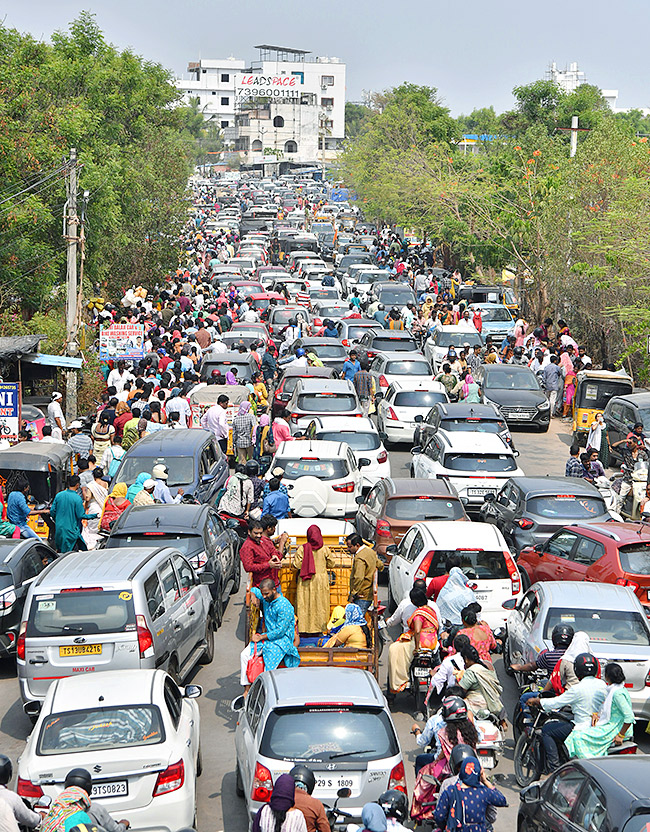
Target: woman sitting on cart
[[353, 632]]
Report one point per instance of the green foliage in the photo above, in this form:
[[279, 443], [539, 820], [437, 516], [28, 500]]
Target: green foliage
[[357, 117]]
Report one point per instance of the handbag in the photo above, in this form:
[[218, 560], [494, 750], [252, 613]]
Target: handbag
[[255, 665]]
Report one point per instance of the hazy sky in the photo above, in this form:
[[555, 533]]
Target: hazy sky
[[473, 51]]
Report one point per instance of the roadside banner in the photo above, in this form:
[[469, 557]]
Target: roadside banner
[[121, 341], [9, 410]]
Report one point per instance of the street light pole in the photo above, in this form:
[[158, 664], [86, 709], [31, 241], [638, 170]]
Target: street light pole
[[71, 305]]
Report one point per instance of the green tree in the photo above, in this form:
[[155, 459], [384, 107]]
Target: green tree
[[634, 123], [357, 117], [480, 121]]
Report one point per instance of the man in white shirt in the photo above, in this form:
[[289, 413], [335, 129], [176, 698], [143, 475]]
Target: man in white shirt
[[215, 419], [250, 316], [179, 404], [118, 376]]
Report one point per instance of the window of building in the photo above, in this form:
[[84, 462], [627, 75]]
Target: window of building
[[225, 101], [257, 145], [290, 147], [214, 92], [327, 102], [225, 123], [225, 77], [204, 71], [278, 121], [327, 80]]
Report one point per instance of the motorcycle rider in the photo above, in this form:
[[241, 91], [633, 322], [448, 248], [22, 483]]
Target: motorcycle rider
[[585, 698], [97, 813], [459, 753], [546, 660], [24, 816], [312, 809], [395, 806], [518, 357]]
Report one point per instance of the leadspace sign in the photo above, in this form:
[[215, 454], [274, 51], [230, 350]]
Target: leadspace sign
[[252, 85]]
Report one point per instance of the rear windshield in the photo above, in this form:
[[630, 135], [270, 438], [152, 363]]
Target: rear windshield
[[323, 294], [478, 464], [484, 565], [396, 344], [327, 402], [357, 441], [100, 729], [476, 425], [395, 297], [457, 339], [283, 316], [323, 469], [635, 558], [566, 506], [602, 626], [353, 735], [408, 368], [424, 508], [496, 314], [357, 331], [82, 612], [419, 398], [332, 311], [181, 468], [187, 544], [327, 350]]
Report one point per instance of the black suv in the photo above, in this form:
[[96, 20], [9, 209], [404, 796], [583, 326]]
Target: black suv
[[621, 414], [461, 416], [515, 390]]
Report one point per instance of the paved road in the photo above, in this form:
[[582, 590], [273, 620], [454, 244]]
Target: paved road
[[218, 806]]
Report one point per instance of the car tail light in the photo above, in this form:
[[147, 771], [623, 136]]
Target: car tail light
[[382, 381], [345, 487], [525, 523], [170, 780], [262, 784], [391, 414], [383, 528], [382, 456], [397, 779], [423, 568], [25, 788], [20, 644], [294, 417], [631, 584], [631, 749], [145, 639]]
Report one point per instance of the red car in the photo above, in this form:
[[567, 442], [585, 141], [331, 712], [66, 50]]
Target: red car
[[611, 553]]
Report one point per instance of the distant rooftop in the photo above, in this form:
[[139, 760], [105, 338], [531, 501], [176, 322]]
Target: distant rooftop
[[281, 53]]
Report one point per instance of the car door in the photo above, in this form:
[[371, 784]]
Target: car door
[[615, 424], [357, 478], [182, 714], [561, 794], [401, 565], [161, 628], [590, 811], [369, 512], [585, 553], [245, 743], [509, 510], [427, 464], [30, 566], [176, 621], [194, 612], [553, 562], [222, 550], [492, 511], [516, 631]]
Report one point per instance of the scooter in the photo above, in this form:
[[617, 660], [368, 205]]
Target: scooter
[[489, 747], [422, 664], [609, 496]]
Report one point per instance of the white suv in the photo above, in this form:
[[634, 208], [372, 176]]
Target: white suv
[[476, 464], [362, 436], [404, 400]]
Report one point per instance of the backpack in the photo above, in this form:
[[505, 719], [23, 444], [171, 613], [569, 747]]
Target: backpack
[[115, 464], [328, 280]]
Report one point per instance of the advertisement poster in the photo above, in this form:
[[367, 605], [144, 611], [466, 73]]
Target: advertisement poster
[[121, 341], [9, 410]]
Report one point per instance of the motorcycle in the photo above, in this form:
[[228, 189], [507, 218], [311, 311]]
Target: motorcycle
[[533, 682], [422, 663], [609, 496], [333, 813], [631, 508], [490, 745]]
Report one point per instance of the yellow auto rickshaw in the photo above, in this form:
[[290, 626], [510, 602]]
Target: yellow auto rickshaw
[[594, 389]]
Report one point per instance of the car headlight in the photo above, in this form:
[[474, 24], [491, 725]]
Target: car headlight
[[543, 406]]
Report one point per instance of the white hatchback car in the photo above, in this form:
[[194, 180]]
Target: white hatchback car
[[322, 478], [485, 559], [362, 436], [476, 464], [388, 367], [135, 731], [437, 345], [404, 400]]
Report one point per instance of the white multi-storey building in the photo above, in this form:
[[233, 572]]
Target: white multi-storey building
[[213, 83]]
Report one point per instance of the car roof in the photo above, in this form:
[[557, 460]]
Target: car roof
[[328, 385], [412, 487], [299, 685], [456, 328], [322, 341], [628, 772], [517, 368], [307, 372], [346, 423], [163, 442], [230, 357], [622, 533], [601, 596], [538, 486], [111, 688], [638, 399], [472, 535], [317, 448], [470, 442], [103, 567], [368, 322], [413, 384], [393, 334], [170, 517], [467, 410], [394, 355]]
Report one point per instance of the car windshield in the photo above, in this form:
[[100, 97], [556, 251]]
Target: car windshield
[[353, 735], [408, 368], [566, 506], [495, 314], [602, 626], [81, 612], [418, 398], [424, 508], [187, 544], [357, 441], [327, 402], [323, 469], [181, 468], [457, 339], [100, 729], [395, 344], [473, 425], [595, 393], [480, 463], [475, 563], [504, 379], [357, 331], [635, 558]]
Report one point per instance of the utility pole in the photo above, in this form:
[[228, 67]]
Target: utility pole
[[71, 231], [574, 136]]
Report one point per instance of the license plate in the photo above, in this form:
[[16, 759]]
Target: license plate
[[487, 761], [80, 650], [112, 788], [480, 492], [335, 782], [421, 671]]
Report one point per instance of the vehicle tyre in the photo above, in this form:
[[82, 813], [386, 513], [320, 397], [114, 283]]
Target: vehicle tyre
[[392, 604], [236, 576], [199, 764], [218, 607], [239, 786], [420, 696], [208, 654], [507, 660], [518, 721], [528, 763]]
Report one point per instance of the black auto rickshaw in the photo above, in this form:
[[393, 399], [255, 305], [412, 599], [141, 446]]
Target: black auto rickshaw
[[594, 389], [46, 466]]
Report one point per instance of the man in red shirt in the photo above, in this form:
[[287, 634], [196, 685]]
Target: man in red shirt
[[257, 556], [436, 584]]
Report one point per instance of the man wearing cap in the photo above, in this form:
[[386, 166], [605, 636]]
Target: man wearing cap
[[80, 443], [145, 497], [179, 404], [161, 491], [55, 417]]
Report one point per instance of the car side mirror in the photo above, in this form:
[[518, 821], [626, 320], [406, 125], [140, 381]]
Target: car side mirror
[[532, 794], [238, 704], [344, 792], [43, 802], [391, 550], [360, 500], [416, 450], [509, 604], [490, 498], [419, 418], [207, 478], [363, 462], [206, 578], [516, 453], [193, 691], [379, 396], [464, 501]]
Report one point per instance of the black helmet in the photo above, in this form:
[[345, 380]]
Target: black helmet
[[304, 775], [252, 468], [395, 804], [381, 306], [562, 635], [585, 665], [6, 770], [79, 777], [293, 321], [454, 709], [518, 351], [459, 753]]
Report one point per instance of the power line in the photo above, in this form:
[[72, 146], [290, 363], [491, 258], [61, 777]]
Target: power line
[[53, 173], [11, 207]]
